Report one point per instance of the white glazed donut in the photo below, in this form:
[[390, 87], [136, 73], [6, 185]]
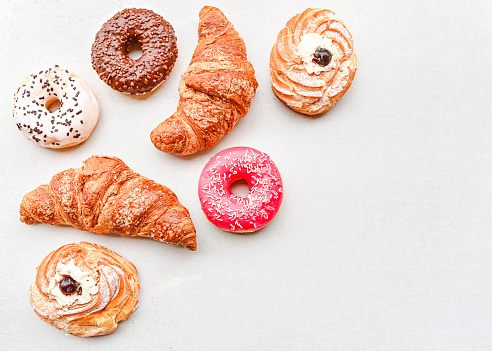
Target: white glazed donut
[[68, 125]]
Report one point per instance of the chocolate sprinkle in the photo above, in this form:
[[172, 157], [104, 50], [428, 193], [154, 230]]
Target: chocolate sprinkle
[[61, 116]]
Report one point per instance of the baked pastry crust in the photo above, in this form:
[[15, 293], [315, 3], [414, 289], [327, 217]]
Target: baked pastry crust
[[215, 92], [116, 297], [105, 196], [310, 93]]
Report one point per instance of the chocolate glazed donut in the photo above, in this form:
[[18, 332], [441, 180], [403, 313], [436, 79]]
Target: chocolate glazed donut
[[110, 51]]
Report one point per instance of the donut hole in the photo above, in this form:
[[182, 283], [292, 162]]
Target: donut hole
[[134, 50], [53, 104], [240, 188]]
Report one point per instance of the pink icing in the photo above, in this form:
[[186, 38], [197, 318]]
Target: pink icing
[[232, 212]]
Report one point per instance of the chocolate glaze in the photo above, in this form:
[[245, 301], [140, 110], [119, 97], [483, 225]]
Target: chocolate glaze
[[110, 51]]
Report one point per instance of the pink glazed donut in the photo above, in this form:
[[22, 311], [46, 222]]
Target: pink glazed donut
[[235, 213]]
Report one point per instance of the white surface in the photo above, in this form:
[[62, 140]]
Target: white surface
[[384, 238]]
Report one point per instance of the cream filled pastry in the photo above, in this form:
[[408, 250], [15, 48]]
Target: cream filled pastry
[[85, 289], [312, 62], [55, 108]]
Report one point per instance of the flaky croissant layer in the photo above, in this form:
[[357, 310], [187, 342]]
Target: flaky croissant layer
[[215, 92], [105, 196]]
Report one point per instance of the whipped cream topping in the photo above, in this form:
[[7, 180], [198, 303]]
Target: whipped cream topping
[[308, 45], [88, 285]]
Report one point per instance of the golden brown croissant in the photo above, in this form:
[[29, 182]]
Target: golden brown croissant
[[215, 91], [85, 289], [312, 62], [106, 196]]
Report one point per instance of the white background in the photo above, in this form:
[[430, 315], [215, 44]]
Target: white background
[[384, 237]]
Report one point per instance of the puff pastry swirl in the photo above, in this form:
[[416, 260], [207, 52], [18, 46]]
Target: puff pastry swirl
[[107, 289], [105, 196], [305, 92]]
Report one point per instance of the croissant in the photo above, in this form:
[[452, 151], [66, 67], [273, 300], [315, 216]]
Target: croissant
[[215, 91], [312, 62], [85, 289], [106, 196]]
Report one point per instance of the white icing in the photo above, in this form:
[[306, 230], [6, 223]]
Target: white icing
[[87, 284], [68, 125], [308, 45]]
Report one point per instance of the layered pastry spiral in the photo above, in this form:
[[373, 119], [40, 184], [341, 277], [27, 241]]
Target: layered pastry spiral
[[85, 289], [312, 62]]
